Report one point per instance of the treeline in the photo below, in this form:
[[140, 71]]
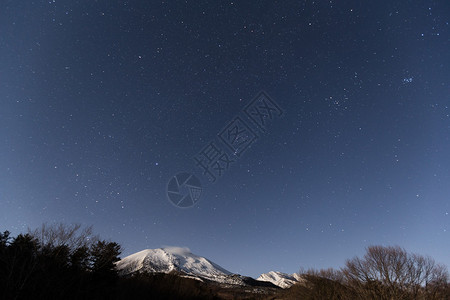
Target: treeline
[[56, 262], [383, 273], [69, 262]]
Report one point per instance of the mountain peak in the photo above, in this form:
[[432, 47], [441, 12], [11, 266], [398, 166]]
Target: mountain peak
[[165, 260], [280, 279], [177, 250]]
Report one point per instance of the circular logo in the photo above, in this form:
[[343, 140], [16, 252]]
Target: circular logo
[[184, 190]]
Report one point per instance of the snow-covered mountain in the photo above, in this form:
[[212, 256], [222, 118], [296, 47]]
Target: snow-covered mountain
[[186, 264], [282, 280], [165, 260]]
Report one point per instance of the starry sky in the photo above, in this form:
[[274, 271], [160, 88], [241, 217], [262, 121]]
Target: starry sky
[[103, 102]]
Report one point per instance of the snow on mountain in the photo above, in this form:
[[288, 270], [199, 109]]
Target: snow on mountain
[[189, 265], [165, 260], [282, 280]]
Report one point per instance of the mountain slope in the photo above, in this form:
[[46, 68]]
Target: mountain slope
[[165, 260], [187, 264], [282, 280]]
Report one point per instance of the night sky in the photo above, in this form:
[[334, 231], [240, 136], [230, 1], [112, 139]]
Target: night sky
[[103, 102]]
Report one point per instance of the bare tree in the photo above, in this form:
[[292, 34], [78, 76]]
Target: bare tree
[[392, 273], [320, 284], [72, 236], [330, 273]]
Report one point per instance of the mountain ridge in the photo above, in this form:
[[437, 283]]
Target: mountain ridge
[[169, 259], [280, 279], [187, 264], [183, 261]]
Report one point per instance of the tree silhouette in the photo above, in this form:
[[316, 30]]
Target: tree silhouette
[[103, 256]]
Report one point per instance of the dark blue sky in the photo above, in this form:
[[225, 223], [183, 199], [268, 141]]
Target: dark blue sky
[[103, 102]]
